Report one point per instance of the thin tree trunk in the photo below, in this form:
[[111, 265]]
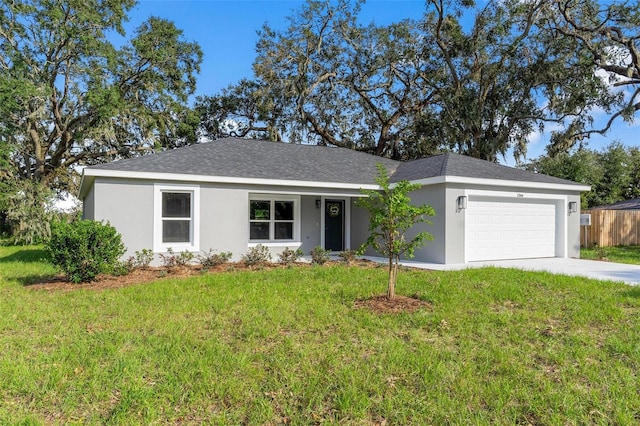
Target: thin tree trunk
[[393, 269]]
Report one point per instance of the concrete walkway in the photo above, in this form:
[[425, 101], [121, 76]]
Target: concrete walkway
[[598, 270]]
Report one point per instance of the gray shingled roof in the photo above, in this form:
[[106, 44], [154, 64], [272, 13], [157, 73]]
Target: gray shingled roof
[[244, 158], [621, 205], [451, 164], [234, 157]]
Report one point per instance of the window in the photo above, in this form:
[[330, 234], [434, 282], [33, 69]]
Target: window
[[176, 222], [176, 217], [272, 219]]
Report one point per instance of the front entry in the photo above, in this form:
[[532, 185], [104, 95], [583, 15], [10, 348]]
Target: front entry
[[334, 225]]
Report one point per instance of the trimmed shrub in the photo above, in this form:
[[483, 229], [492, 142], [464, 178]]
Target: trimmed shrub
[[256, 256], [85, 248], [289, 256], [319, 256]]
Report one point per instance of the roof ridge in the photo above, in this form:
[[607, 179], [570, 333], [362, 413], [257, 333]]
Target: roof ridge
[[445, 163]]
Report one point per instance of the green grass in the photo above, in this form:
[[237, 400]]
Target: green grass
[[619, 254], [286, 345]]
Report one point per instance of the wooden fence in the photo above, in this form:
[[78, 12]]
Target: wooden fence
[[611, 228]]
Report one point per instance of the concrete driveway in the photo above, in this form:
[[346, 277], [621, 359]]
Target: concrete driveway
[[598, 270]]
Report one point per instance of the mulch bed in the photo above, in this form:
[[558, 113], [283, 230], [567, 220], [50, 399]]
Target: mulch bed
[[399, 304], [379, 304]]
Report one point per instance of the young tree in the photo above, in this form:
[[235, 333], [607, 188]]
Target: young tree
[[391, 215]]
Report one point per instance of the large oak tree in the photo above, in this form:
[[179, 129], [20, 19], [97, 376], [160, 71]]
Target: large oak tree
[[607, 39], [471, 77], [70, 96]]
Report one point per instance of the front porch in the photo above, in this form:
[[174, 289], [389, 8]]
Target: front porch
[[333, 222]]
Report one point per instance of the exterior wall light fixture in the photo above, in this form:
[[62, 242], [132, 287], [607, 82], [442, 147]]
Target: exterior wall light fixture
[[573, 207], [461, 202]]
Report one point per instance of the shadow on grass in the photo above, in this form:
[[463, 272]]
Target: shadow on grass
[[27, 256], [633, 292], [34, 280]]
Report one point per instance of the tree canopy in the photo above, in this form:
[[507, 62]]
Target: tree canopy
[[479, 85], [69, 96], [607, 39]]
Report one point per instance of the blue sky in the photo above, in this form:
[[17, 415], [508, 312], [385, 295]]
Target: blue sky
[[226, 31]]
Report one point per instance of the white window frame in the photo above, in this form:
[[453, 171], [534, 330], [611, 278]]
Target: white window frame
[[272, 198], [194, 228]]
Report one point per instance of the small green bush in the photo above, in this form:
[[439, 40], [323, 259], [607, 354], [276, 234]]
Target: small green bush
[[170, 260], [211, 259], [319, 256], [256, 256], [348, 256], [142, 260], [289, 256], [85, 248], [184, 258]]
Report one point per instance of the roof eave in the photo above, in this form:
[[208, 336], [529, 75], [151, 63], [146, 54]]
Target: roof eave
[[503, 182], [85, 183], [175, 177], [89, 175]]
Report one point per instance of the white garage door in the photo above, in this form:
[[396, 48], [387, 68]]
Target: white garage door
[[513, 229]]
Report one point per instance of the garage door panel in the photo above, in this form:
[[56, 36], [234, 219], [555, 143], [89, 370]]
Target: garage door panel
[[510, 229]]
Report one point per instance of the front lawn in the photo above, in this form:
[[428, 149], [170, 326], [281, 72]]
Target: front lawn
[[619, 254], [285, 346]]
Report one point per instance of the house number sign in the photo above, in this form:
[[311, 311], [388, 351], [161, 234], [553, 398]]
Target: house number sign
[[333, 209]]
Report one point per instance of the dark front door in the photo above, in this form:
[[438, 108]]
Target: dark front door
[[334, 225]]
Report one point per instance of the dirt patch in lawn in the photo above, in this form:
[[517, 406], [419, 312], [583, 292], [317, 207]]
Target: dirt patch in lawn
[[383, 305]]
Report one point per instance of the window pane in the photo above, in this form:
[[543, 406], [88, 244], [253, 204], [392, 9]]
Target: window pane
[[284, 231], [176, 204], [259, 230], [260, 210], [284, 210], [176, 231]]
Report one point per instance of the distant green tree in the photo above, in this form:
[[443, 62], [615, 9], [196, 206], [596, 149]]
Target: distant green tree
[[612, 172], [391, 215], [633, 190], [28, 209]]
